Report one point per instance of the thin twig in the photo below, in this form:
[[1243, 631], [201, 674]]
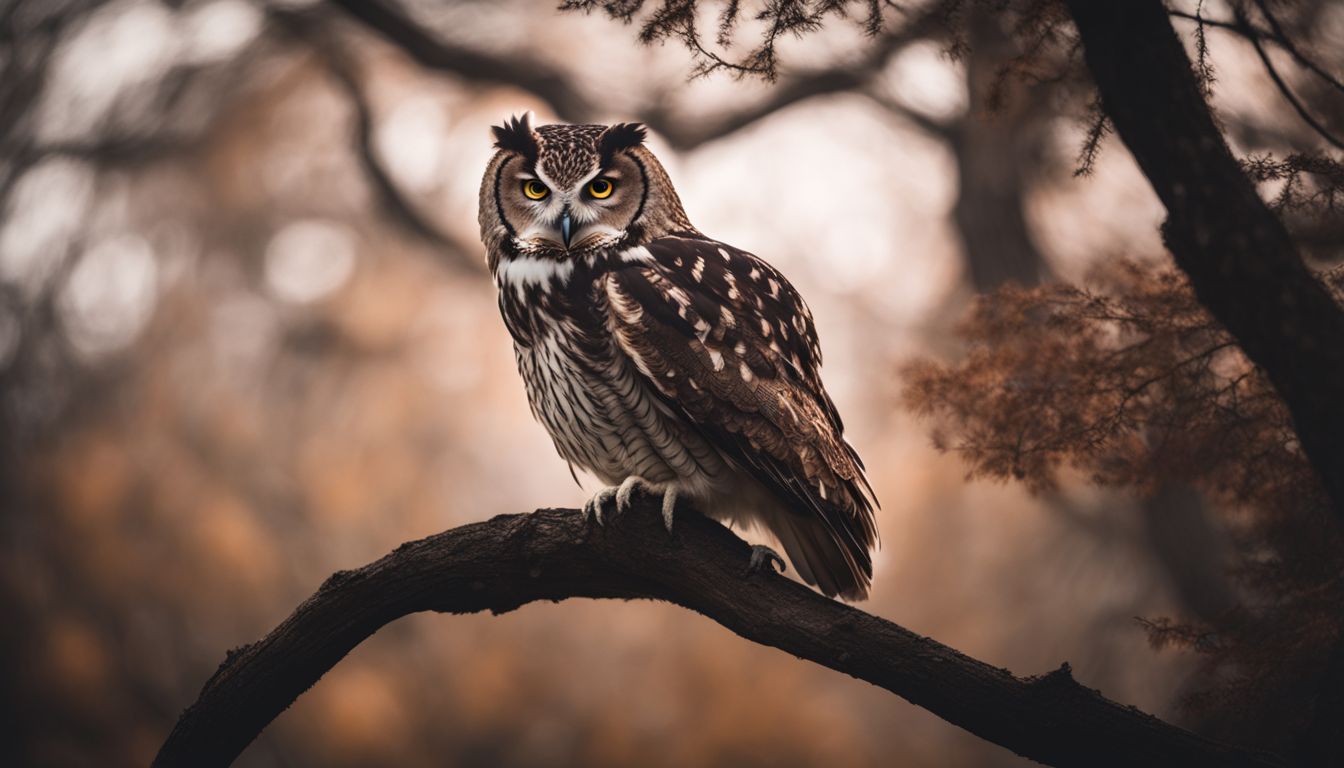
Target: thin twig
[[1286, 43], [1230, 26], [1283, 86]]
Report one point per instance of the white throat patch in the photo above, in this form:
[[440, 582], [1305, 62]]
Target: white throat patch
[[522, 271]]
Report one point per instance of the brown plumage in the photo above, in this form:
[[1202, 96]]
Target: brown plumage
[[658, 357]]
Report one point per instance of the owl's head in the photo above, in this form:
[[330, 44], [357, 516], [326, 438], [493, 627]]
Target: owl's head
[[564, 190]]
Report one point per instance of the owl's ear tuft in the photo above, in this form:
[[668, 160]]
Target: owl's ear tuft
[[620, 136], [516, 136]]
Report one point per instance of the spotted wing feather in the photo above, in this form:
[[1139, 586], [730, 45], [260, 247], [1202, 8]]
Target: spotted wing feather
[[727, 341]]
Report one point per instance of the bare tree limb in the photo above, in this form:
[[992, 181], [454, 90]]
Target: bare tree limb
[[1286, 42], [450, 250], [944, 130], [1283, 87], [511, 560], [1276, 34], [390, 22], [1230, 26], [401, 210], [313, 31], [855, 76], [687, 135], [556, 90]]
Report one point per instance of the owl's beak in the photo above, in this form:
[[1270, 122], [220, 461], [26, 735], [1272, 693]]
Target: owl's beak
[[566, 226]]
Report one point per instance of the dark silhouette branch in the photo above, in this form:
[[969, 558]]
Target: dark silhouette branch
[[314, 31], [858, 76], [1285, 41], [397, 206], [685, 136], [556, 90], [688, 135], [943, 130], [1240, 259], [389, 21], [1230, 26], [1285, 90], [1275, 34], [796, 88], [511, 560]]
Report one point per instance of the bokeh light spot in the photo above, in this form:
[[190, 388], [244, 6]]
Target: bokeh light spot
[[309, 259], [110, 294], [46, 209]]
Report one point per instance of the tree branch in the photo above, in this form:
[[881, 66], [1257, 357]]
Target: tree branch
[[398, 28], [392, 23], [1275, 34], [1282, 85], [313, 31], [1230, 26], [855, 76], [685, 135], [511, 560], [1285, 41], [943, 130]]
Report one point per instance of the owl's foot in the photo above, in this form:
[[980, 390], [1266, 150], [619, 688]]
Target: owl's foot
[[764, 557], [621, 494]]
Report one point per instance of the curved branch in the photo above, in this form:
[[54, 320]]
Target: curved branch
[[856, 77], [686, 135], [400, 210], [1230, 26], [1286, 42], [389, 21], [553, 554], [1283, 87], [1275, 34]]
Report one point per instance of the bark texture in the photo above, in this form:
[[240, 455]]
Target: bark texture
[[512, 560]]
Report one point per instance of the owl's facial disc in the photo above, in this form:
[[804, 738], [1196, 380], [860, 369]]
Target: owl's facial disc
[[592, 212]]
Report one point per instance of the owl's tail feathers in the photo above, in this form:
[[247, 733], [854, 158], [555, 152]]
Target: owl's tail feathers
[[820, 559]]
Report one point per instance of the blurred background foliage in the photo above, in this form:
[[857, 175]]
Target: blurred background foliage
[[247, 339]]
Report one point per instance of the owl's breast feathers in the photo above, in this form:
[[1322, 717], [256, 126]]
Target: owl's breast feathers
[[725, 339]]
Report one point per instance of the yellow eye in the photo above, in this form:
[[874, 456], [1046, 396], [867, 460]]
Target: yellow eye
[[601, 188], [535, 190]]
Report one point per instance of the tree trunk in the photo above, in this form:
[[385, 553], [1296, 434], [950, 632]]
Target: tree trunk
[[1240, 260], [998, 147]]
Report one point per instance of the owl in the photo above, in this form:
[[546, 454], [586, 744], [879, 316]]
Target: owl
[[664, 361]]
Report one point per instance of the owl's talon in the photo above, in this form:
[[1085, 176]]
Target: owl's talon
[[764, 557], [669, 506], [626, 489], [592, 509]]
